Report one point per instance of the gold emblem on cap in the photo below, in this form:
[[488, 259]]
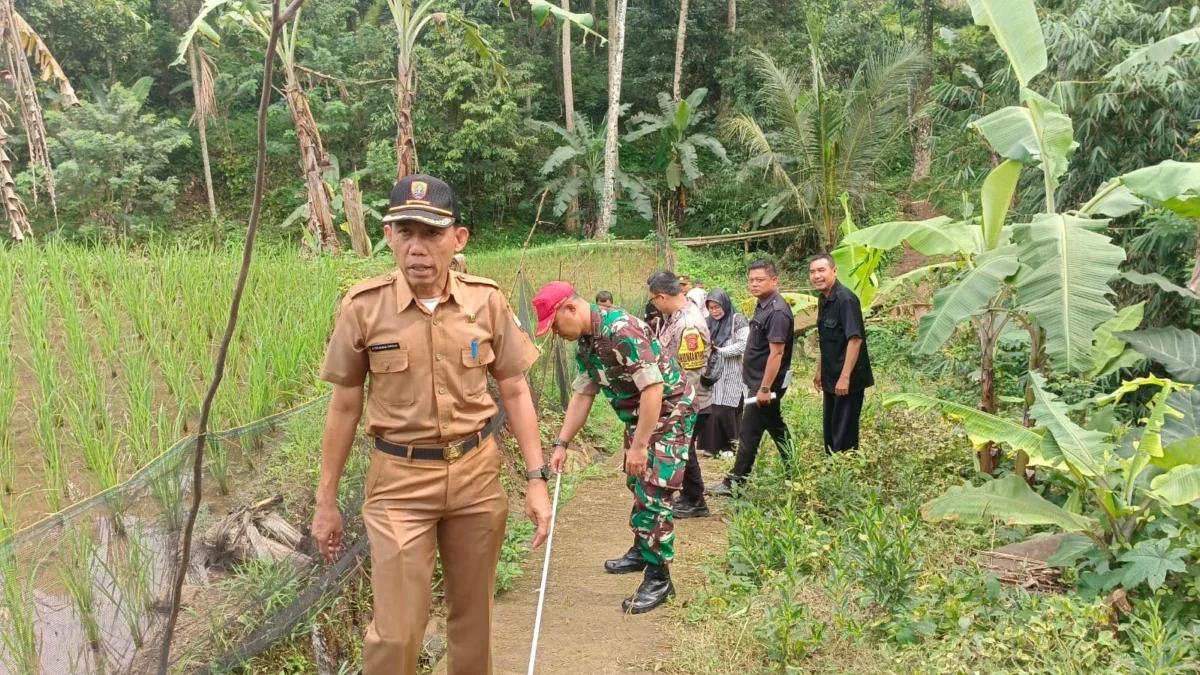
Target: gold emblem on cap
[[419, 188]]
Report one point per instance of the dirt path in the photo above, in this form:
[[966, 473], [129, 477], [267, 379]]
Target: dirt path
[[583, 629]]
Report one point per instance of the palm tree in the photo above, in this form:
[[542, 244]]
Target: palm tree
[[251, 15], [410, 22], [680, 39], [579, 167], [677, 149], [822, 141], [616, 59]]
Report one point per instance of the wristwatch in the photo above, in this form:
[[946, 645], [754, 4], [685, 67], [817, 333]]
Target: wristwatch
[[765, 390], [542, 473], [560, 442]]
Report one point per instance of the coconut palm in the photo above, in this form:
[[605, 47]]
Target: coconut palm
[[576, 170], [819, 141]]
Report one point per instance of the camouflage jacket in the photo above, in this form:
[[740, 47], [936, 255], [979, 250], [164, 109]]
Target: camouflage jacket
[[620, 359]]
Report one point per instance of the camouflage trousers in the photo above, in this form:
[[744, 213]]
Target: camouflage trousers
[[653, 518]]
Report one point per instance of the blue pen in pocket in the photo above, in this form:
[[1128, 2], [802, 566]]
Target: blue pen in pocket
[[475, 349]]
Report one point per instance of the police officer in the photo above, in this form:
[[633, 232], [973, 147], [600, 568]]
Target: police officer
[[685, 337], [617, 356], [425, 339]]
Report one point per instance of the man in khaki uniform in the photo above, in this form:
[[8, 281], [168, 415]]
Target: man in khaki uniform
[[426, 338]]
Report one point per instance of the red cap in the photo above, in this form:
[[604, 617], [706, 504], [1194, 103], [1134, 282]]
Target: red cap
[[547, 301]]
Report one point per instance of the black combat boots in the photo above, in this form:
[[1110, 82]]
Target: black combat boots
[[632, 561], [656, 588]]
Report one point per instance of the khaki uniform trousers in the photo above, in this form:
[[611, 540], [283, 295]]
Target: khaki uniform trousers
[[412, 506]]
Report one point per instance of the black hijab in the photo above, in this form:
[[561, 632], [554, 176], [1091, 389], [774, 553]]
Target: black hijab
[[721, 331]]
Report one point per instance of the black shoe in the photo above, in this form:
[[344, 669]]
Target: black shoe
[[656, 589], [632, 561], [690, 509], [724, 488]]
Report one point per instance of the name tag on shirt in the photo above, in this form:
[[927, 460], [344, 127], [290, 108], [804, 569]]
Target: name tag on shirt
[[387, 346]]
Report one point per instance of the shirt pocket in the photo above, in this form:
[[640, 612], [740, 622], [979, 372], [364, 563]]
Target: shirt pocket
[[831, 329], [391, 380], [475, 361]]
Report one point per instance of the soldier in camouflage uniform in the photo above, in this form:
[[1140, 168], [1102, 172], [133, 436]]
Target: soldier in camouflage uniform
[[617, 356]]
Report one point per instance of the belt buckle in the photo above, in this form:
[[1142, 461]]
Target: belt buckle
[[453, 452]]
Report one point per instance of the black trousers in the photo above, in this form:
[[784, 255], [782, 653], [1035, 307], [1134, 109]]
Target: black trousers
[[756, 420], [841, 421], [693, 481]]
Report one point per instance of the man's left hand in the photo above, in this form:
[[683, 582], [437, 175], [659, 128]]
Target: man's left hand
[[537, 507], [763, 398], [843, 386]]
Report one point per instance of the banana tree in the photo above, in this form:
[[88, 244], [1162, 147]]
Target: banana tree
[[1049, 275], [251, 16], [677, 150]]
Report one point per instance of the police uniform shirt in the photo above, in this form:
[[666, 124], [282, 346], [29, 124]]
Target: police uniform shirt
[[427, 370], [839, 318], [772, 323]]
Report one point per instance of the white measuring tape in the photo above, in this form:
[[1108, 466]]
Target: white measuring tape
[[537, 622]]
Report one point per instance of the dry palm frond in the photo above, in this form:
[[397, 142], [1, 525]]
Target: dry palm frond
[[14, 208], [206, 98], [32, 45], [14, 39]]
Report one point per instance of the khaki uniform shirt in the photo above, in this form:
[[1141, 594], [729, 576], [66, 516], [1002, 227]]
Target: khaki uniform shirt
[[428, 370]]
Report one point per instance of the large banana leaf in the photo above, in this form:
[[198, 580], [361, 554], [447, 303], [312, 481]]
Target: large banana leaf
[[915, 276], [1039, 131], [1082, 448], [1108, 348], [1157, 52], [1113, 199], [1175, 348], [936, 236], [960, 300], [1160, 281], [1008, 500], [1067, 288], [1181, 435], [996, 197], [199, 25], [1015, 26], [1175, 185], [981, 427], [1178, 486]]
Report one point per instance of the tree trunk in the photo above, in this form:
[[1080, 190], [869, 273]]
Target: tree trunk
[[616, 57], [680, 39], [14, 208], [352, 205], [313, 161], [724, 105], [989, 454], [572, 221], [922, 154], [30, 107], [200, 97], [732, 16], [406, 147]]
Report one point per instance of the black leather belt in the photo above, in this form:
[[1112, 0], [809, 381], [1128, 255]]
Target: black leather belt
[[448, 453]]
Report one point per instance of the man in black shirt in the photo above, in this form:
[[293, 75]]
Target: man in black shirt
[[766, 372], [845, 370]]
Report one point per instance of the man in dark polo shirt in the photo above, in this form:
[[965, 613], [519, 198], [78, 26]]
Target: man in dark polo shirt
[[766, 372], [845, 370]]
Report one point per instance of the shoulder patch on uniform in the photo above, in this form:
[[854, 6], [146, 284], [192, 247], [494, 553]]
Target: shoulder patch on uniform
[[482, 281], [376, 282]]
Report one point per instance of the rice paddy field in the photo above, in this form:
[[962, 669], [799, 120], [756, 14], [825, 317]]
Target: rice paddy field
[[105, 355]]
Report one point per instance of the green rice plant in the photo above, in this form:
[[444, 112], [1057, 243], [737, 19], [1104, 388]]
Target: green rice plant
[[8, 374], [167, 485], [18, 628], [76, 564], [103, 456], [131, 591], [138, 389]]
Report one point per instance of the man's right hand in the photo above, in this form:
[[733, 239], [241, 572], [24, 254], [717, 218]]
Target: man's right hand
[[327, 530], [558, 459], [817, 382]]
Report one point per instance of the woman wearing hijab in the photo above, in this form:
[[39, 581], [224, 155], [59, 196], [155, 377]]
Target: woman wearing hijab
[[729, 331]]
